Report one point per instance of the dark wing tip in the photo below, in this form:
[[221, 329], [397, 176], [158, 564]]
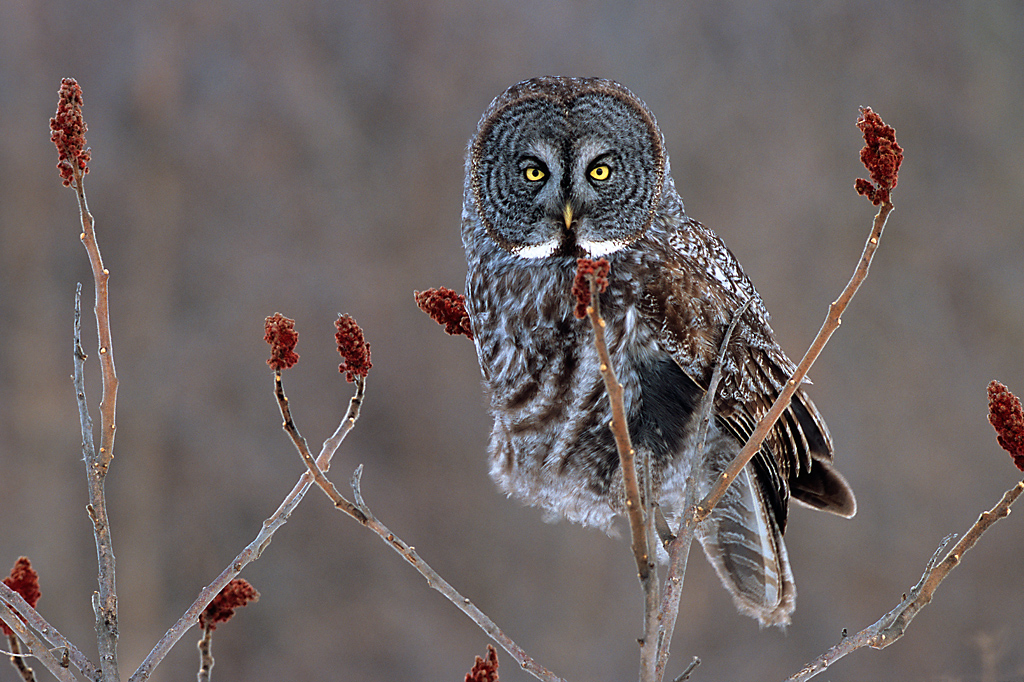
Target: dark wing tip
[[824, 488]]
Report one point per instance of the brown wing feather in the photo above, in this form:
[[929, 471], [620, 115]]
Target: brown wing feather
[[692, 304]]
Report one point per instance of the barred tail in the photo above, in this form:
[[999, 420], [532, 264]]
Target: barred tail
[[744, 544]]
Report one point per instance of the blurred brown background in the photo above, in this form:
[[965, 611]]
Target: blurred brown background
[[306, 156]]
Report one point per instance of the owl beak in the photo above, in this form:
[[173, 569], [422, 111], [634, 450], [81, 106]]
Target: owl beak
[[567, 215]]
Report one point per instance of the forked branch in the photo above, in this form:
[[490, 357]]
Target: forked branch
[[893, 625], [36, 646], [68, 134], [12, 602], [253, 550], [359, 511]]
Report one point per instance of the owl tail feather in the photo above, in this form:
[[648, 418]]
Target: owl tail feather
[[742, 541]]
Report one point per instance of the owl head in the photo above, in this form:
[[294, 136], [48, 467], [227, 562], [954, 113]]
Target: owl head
[[566, 166]]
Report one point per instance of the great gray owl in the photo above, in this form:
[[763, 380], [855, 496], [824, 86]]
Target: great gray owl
[[562, 168]]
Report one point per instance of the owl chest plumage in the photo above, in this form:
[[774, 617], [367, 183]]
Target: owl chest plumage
[[551, 443]]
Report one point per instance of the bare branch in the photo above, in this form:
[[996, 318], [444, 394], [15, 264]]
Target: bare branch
[[17, 604], [108, 401], [893, 625], [707, 403], [253, 550], [688, 670], [832, 322], [679, 547], [882, 157], [97, 464], [18, 659], [36, 647], [435, 581], [638, 508], [300, 444], [620, 429], [361, 513], [205, 655], [68, 134]]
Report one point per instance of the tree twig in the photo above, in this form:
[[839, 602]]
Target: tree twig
[[620, 429], [831, 323], [253, 550], [679, 546], [678, 555], [97, 464], [361, 513], [205, 655], [18, 661], [15, 602], [300, 444], [36, 647], [639, 509], [688, 670], [707, 403], [893, 625]]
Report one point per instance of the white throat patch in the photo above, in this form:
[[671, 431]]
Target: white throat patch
[[602, 248], [542, 250], [593, 249]]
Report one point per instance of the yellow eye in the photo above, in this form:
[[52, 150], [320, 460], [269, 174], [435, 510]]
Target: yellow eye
[[533, 174], [600, 172]]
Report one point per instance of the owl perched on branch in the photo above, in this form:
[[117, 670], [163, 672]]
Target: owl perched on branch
[[563, 168]]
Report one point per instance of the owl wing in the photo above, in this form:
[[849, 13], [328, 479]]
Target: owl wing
[[692, 303], [799, 442]]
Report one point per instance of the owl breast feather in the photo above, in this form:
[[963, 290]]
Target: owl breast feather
[[551, 444]]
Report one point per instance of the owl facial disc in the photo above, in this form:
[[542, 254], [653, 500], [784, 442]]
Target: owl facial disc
[[577, 172]]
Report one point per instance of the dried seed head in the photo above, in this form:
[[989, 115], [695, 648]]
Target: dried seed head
[[585, 269], [1007, 418], [446, 307], [485, 670], [67, 132], [881, 155], [282, 337], [235, 595], [25, 581], [354, 350]]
